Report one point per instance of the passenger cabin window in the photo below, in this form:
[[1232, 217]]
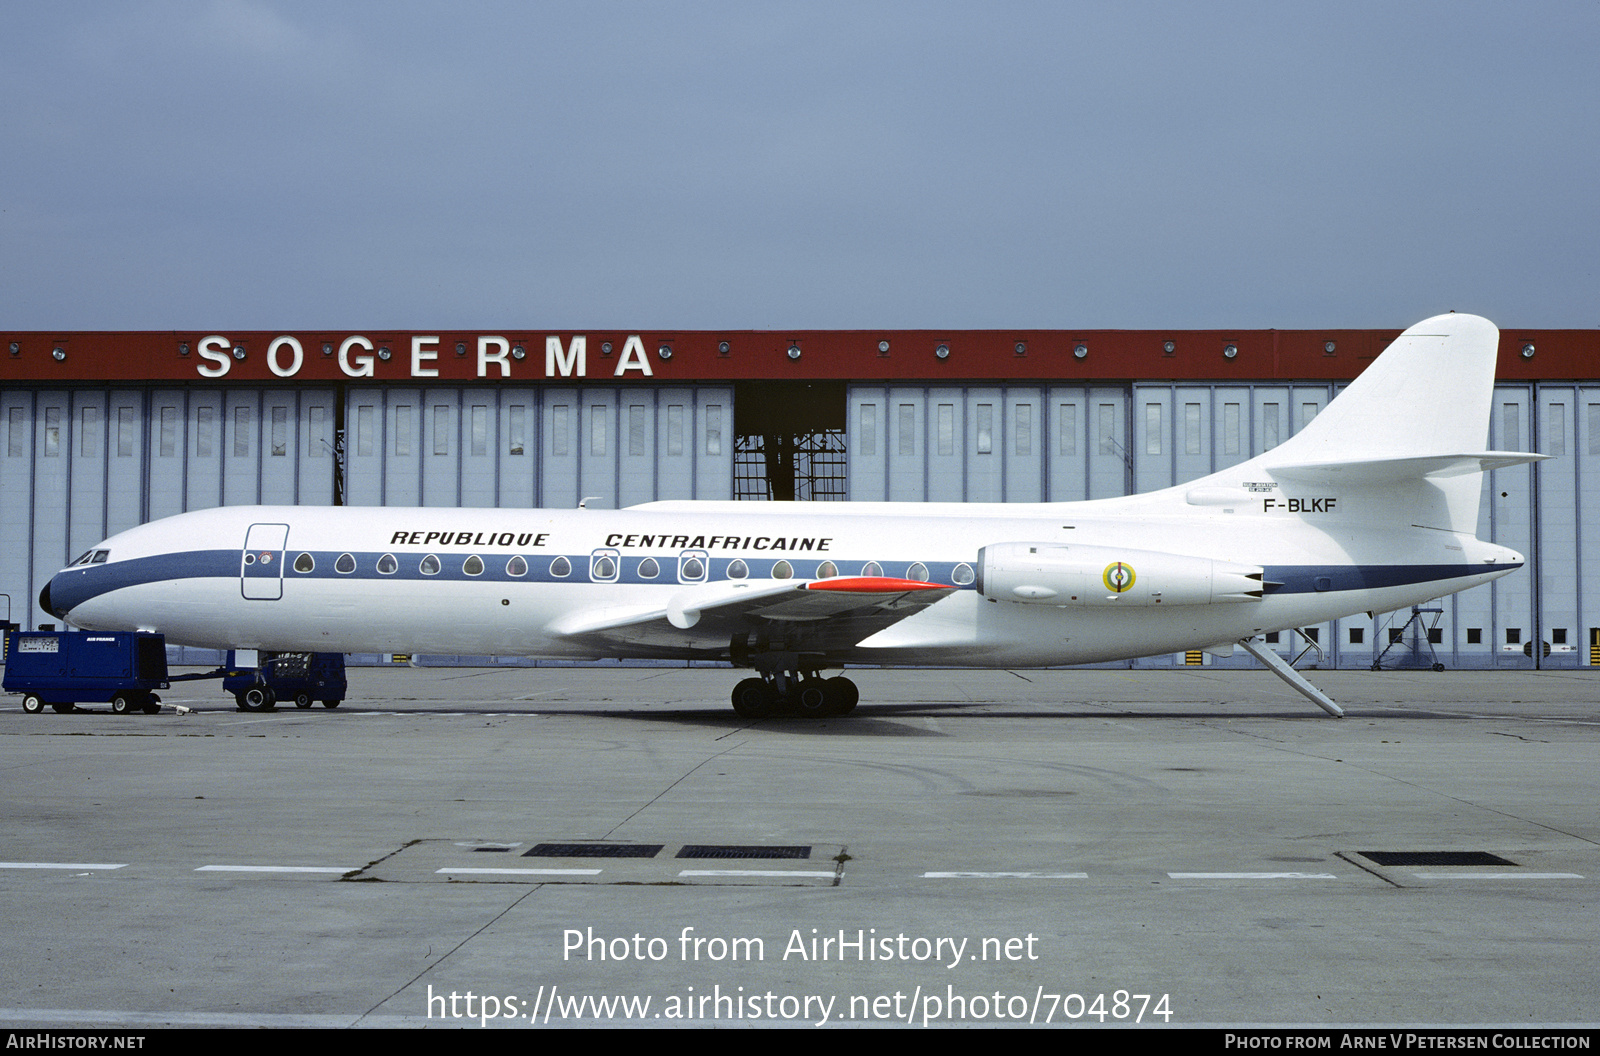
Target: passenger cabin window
[[872, 568], [387, 565], [918, 572], [561, 568], [649, 569], [827, 570], [783, 570], [737, 569], [429, 566], [473, 566], [692, 566], [517, 566], [603, 566], [305, 563], [345, 565], [962, 575]]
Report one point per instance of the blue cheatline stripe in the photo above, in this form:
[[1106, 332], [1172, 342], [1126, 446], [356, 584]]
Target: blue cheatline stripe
[[73, 586]]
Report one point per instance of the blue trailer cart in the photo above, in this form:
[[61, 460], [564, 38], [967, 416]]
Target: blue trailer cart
[[60, 668], [300, 677]]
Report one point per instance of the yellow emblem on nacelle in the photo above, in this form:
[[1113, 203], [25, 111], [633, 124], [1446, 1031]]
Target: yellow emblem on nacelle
[[1118, 577]]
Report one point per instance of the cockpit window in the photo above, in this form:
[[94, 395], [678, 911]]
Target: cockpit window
[[84, 560], [99, 557]]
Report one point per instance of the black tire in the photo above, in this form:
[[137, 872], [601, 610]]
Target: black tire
[[257, 698], [812, 698], [1438, 667], [332, 703], [754, 699], [302, 699], [152, 705], [845, 695], [32, 704], [121, 704], [63, 709]]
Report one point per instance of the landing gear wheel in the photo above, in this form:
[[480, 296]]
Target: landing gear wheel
[[121, 704], [257, 698], [754, 699], [844, 693], [152, 705], [812, 698], [302, 700], [332, 703], [32, 704]]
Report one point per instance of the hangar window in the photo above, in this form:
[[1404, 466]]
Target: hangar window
[[1474, 635], [52, 432], [241, 432], [985, 428], [597, 429], [561, 568], [518, 429], [305, 563], [947, 428], [636, 429], [918, 572], [1358, 635], [16, 432], [1558, 636], [402, 429], [126, 428], [1270, 426], [203, 417], [908, 429], [169, 432], [88, 432], [517, 566], [872, 568], [1107, 429], [441, 429], [429, 566], [648, 569], [714, 429], [387, 565], [473, 566], [867, 440], [737, 569], [1024, 429], [480, 430], [345, 565], [827, 570], [783, 570], [674, 429], [1435, 635], [962, 575], [558, 429], [280, 431], [1067, 425], [1152, 428], [1513, 635]]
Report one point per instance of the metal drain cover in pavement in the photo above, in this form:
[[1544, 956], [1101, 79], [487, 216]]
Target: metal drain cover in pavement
[[715, 850], [594, 850], [1401, 858]]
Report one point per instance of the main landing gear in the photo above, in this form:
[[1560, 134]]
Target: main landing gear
[[785, 694]]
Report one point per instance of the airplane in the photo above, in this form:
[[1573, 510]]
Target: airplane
[[1371, 507]]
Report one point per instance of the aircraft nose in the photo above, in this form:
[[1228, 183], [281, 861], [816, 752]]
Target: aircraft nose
[[44, 603]]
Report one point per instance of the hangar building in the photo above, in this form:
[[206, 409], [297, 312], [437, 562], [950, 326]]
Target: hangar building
[[105, 430]]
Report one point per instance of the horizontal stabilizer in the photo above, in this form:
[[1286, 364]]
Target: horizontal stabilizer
[[1386, 470]]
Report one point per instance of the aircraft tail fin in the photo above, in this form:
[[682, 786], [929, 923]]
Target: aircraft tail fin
[[1404, 442]]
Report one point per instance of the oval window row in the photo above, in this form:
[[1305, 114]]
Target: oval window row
[[605, 568]]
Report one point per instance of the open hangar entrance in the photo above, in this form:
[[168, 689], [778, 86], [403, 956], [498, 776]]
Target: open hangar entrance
[[121, 428]]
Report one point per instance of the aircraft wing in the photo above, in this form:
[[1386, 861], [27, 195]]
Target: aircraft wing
[[810, 616]]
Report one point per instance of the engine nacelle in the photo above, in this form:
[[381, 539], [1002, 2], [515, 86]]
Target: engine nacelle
[[1064, 574]]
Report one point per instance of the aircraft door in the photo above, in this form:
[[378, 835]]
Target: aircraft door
[[261, 562]]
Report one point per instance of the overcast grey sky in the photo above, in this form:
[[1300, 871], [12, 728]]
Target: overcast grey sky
[[277, 164]]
